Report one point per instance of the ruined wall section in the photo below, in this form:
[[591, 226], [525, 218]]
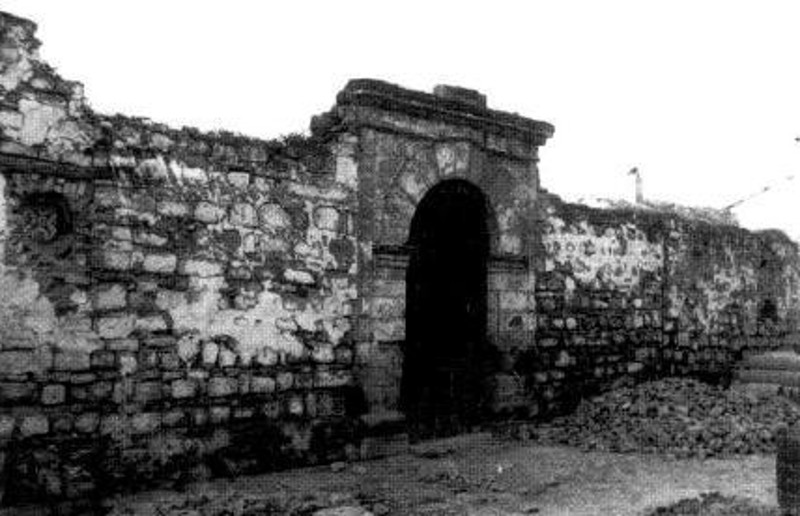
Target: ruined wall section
[[644, 293], [599, 302], [729, 292], [163, 290]]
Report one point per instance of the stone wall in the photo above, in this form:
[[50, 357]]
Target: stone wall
[[175, 303], [165, 293], [643, 293]]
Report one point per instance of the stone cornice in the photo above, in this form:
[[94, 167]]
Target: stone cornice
[[390, 97]]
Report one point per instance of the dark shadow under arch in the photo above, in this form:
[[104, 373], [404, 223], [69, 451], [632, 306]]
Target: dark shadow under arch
[[446, 309]]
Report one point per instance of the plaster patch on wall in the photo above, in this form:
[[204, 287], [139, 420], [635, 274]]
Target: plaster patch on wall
[[617, 256], [263, 329]]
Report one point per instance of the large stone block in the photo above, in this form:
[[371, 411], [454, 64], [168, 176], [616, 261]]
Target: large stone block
[[72, 360], [148, 392], [87, 422], [116, 260], [115, 327], [262, 385], [222, 386], [145, 422], [201, 268], [29, 361], [7, 424], [34, 425], [53, 394], [243, 214], [182, 389], [110, 297], [17, 392], [327, 218], [173, 208], [151, 323], [160, 263], [273, 216], [208, 212]]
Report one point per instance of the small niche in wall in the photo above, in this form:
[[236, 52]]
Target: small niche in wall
[[42, 229], [768, 311]]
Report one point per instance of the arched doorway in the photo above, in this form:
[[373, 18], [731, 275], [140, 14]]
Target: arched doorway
[[446, 310]]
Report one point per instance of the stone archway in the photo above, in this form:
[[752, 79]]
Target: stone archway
[[446, 309]]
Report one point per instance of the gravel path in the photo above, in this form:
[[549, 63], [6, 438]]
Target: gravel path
[[474, 475]]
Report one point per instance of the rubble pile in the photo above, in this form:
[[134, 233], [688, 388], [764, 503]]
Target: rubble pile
[[676, 416]]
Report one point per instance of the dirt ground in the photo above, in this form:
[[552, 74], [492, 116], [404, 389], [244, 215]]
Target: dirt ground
[[477, 475]]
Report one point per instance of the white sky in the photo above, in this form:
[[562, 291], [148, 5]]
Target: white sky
[[703, 97]]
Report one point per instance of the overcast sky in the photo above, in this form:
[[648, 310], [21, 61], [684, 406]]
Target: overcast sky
[[702, 96]]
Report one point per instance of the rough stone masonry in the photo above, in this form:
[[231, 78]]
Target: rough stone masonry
[[175, 303]]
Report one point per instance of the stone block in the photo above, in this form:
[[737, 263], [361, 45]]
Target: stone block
[[173, 208], [17, 392], [273, 216], [262, 385], [298, 276], [284, 380], [148, 392], [151, 323], [34, 425], [169, 360], [220, 386], [182, 389], [127, 363], [219, 414], [201, 268], [387, 307], [116, 260], [115, 327], [323, 354], [188, 348], [145, 422], [7, 424], [115, 426], [295, 405], [109, 297], [344, 355], [513, 301], [102, 391], [243, 214], [210, 353], [160, 263], [87, 422], [150, 239], [174, 418], [72, 360], [21, 362], [200, 417], [267, 357], [208, 213], [227, 358], [62, 423], [53, 394], [239, 180], [328, 379], [103, 359], [388, 330], [244, 381], [327, 218]]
